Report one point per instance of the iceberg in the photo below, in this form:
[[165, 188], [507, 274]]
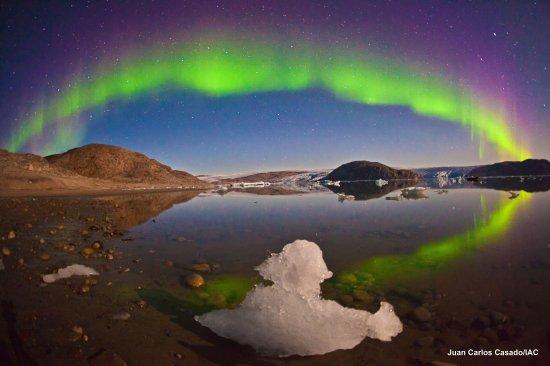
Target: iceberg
[[72, 270], [289, 317], [380, 182]]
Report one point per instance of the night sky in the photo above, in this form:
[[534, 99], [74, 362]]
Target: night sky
[[233, 86]]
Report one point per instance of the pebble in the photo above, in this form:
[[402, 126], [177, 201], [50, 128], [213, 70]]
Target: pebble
[[121, 316], [169, 264], [97, 245], [346, 299], [6, 251], [70, 248], [217, 300], [421, 314], [194, 280], [45, 257], [498, 318], [84, 289], [87, 252], [201, 267], [363, 296], [11, 234], [348, 278]]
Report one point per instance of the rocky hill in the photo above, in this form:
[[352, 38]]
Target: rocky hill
[[367, 170], [89, 168], [120, 165], [513, 168]]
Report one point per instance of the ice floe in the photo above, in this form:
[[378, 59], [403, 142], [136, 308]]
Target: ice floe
[[72, 270], [290, 317]]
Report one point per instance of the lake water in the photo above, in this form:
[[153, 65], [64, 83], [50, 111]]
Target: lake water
[[475, 258]]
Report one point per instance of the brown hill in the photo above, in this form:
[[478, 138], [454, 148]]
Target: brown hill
[[90, 168], [513, 168], [120, 165], [367, 170], [32, 172]]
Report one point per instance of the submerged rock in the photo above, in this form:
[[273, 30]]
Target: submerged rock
[[87, 252], [290, 317], [194, 280], [363, 296]]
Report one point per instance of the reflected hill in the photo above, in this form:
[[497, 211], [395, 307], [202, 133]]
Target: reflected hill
[[528, 184], [366, 190], [131, 210], [272, 190]]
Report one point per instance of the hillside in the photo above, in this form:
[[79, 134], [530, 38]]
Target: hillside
[[120, 165], [513, 168], [89, 168], [367, 170]]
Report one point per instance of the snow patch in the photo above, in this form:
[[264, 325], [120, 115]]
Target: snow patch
[[290, 317], [72, 270]]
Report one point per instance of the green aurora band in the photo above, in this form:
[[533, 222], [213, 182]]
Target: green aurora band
[[223, 67], [431, 256]]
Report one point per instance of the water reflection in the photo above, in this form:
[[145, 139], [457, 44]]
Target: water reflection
[[378, 270], [367, 190], [132, 210], [432, 256], [531, 184]]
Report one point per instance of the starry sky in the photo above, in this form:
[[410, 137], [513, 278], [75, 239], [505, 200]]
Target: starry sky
[[498, 52]]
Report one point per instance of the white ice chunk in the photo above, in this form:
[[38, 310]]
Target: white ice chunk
[[380, 182], [72, 270], [290, 318]]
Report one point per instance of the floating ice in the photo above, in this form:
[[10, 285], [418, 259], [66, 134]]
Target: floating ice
[[290, 318], [414, 193], [72, 270], [380, 182]]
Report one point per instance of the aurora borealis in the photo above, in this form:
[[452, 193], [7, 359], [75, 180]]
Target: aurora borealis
[[234, 58]]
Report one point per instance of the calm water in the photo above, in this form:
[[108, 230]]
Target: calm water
[[461, 253]]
